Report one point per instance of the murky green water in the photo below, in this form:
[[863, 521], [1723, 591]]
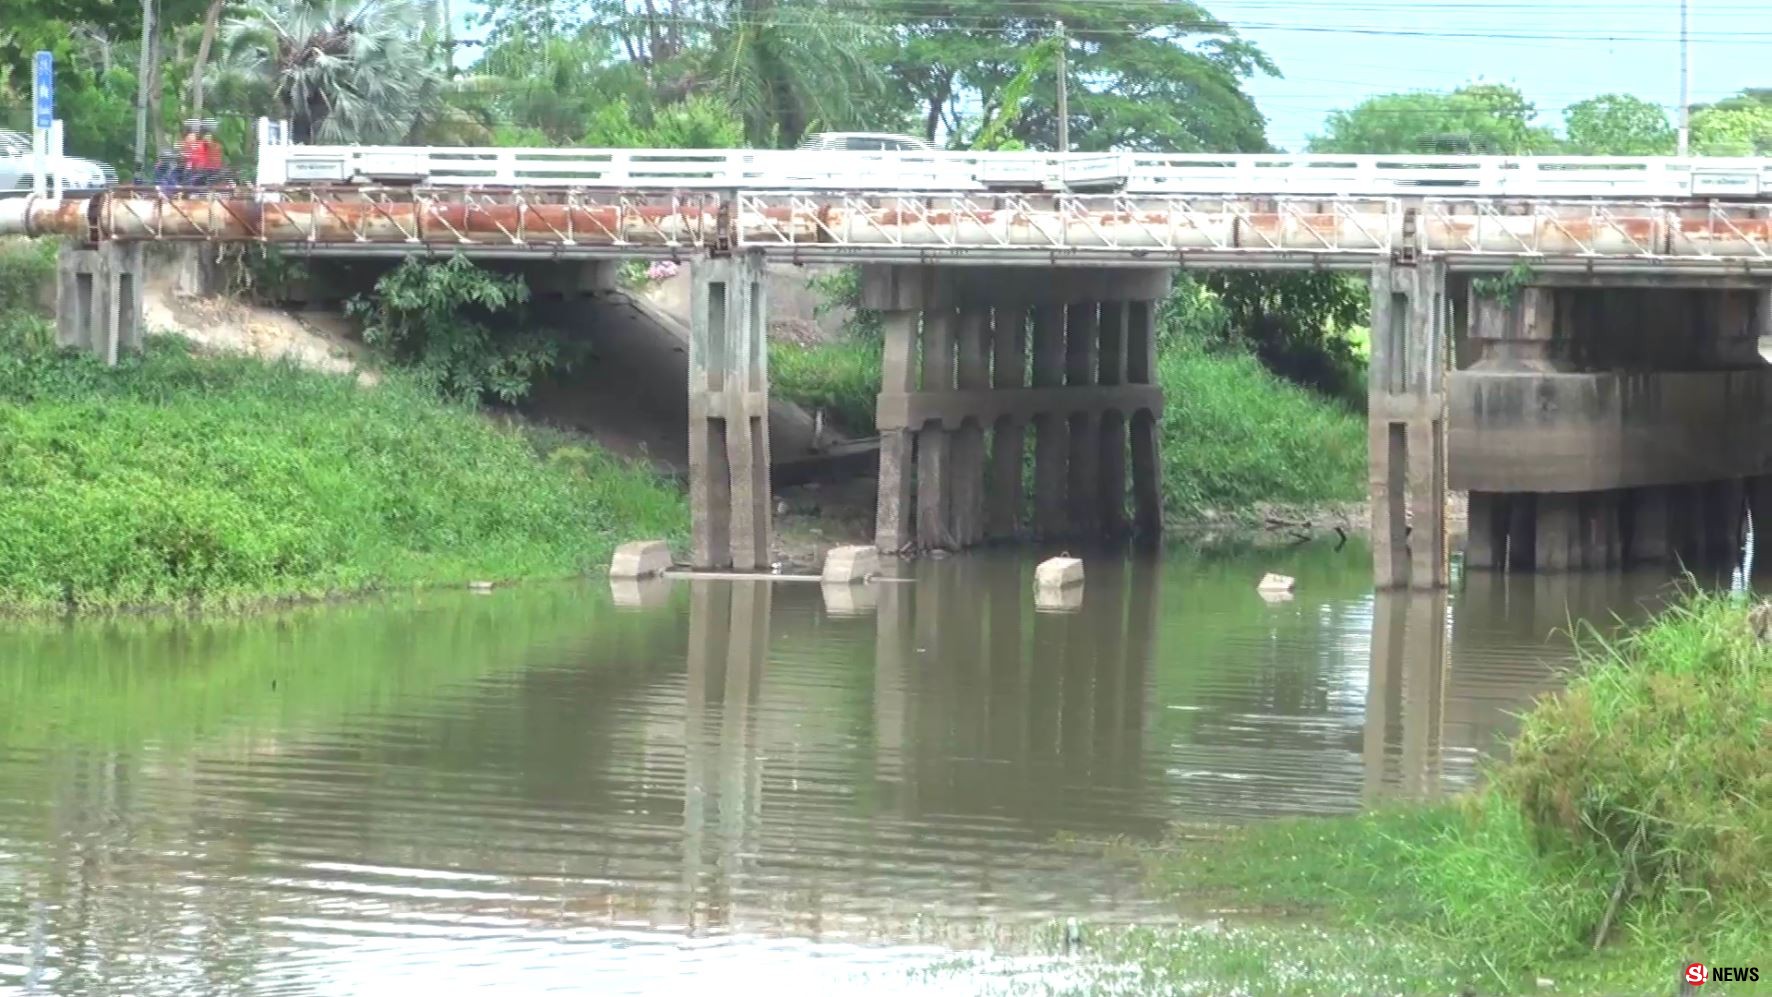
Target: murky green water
[[726, 787]]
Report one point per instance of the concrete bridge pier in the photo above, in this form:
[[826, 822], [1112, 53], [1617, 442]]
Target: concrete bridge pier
[[1606, 421], [1406, 417], [98, 298], [974, 358], [729, 495]]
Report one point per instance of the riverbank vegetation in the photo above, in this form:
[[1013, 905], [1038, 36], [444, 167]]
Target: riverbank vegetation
[[177, 479], [1628, 833]]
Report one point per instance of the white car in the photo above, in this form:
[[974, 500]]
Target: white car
[[18, 167]]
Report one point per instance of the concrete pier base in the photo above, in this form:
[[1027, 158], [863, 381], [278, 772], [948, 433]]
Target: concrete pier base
[[729, 416], [98, 299], [974, 360], [1406, 407]]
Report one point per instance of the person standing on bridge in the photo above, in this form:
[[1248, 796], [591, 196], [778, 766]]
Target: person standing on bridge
[[190, 154]]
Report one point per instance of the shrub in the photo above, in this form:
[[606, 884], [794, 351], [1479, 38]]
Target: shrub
[[461, 329]]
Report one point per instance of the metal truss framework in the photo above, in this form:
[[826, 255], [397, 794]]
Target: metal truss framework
[[1729, 237]]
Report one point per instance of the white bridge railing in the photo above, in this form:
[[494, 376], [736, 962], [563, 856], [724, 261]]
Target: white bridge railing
[[281, 163]]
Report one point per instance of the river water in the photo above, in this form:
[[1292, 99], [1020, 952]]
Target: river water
[[711, 787]]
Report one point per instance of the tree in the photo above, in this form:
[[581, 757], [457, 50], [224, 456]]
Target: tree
[[1735, 126], [211, 23], [1154, 75], [1480, 118], [339, 70], [1618, 125]]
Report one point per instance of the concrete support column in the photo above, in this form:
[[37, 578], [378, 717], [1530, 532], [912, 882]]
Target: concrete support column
[[1485, 546], [1009, 357], [934, 444], [1649, 542], [1725, 505], [1407, 426], [1600, 543], [1558, 531], [1081, 350], [1052, 432], [1147, 472], [98, 299], [967, 441], [729, 416], [898, 374], [1516, 332], [1111, 450]]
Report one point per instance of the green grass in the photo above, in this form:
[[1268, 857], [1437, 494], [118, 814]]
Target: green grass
[[1648, 779], [180, 480], [27, 267], [1234, 434], [841, 377]]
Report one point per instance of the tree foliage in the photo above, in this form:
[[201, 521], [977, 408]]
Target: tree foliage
[[1736, 126], [1618, 125], [1143, 75], [1480, 119], [340, 71]]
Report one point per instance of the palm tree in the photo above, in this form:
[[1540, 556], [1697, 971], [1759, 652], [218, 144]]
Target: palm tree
[[341, 71], [787, 66]]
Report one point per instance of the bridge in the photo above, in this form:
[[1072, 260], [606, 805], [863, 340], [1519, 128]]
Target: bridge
[[1606, 401]]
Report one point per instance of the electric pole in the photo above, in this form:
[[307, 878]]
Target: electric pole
[[1064, 103], [1685, 83]]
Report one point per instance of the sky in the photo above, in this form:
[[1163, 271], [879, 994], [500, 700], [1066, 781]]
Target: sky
[[1333, 55]]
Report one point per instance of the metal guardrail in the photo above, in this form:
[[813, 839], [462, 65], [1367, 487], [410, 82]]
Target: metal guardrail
[[1131, 173]]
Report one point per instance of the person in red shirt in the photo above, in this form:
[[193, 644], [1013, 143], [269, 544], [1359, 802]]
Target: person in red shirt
[[190, 156], [211, 152]]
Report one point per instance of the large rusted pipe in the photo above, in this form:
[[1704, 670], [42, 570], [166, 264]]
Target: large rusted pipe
[[35, 215]]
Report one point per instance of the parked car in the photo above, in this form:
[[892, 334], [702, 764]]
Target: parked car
[[864, 142], [18, 167]]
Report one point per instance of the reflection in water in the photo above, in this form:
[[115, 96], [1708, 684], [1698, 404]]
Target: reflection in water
[[677, 785]]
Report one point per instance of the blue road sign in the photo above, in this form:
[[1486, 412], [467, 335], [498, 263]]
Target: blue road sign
[[43, 89]]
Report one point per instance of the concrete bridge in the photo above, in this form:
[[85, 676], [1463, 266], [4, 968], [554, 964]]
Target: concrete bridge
[[1586, 327]]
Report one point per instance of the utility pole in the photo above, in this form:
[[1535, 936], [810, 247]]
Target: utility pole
[[1064, 103], [1685, 83]]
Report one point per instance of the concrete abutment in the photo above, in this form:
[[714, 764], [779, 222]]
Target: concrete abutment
[[976, 360], [1608, 422]]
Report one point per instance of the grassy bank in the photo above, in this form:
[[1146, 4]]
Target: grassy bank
[[1635, 811], [1234, 434], [177, 479], [840, 377]]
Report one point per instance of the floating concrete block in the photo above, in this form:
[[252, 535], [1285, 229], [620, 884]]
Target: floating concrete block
[[640, 559], [1058, 573], [848, 599], [849, 565], [1068, 599], [1276, 584], [640, 593]]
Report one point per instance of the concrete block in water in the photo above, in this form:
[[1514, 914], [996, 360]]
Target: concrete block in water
[[850, 565], [1275, 583], [640, 593], [640, 559], [1058, 573], [845, 599]]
